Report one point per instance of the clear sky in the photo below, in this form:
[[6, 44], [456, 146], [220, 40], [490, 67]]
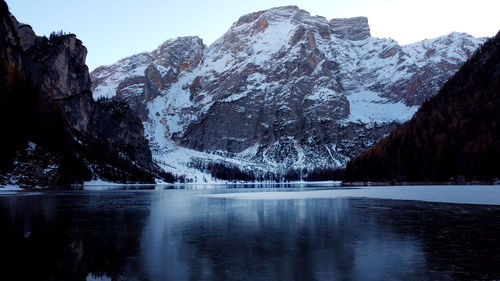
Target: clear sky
[[113, 29]]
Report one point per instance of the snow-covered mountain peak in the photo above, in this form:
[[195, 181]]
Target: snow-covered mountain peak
[[270, 14], [455, 46], [283, 27], [355, 28], [189, 42], [280, 89]]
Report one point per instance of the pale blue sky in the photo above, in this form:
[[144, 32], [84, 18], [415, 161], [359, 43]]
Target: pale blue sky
[[113, 29]]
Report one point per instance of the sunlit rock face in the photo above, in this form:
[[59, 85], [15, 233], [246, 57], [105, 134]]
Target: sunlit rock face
[[280, 89]]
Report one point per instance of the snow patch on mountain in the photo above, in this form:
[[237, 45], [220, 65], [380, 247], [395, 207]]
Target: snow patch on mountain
[[366, 107], [322, 94], [272, 40], [111, 77]]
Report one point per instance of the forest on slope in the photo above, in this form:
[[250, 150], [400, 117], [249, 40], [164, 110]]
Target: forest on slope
[[455, 136]]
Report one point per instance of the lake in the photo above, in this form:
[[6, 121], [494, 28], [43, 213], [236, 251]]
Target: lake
[[218, 233]]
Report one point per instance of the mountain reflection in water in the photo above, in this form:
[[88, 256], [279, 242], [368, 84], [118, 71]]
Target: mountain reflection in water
[[178, 235]]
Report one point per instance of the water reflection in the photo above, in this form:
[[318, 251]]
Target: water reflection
[[218, 239], [70, 236], [178, 235]]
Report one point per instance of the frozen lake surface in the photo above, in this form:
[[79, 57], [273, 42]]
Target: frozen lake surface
[[465, 194], [300, 233]]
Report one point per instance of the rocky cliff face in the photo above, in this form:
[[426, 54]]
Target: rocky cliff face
[[141, 78], [61, 135], [351, 28], [281, 89]]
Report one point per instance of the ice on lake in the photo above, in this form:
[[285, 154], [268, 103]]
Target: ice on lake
[[467, 194]]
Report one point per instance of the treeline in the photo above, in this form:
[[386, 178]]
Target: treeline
[[230, 172], [56, 34], [316, 174], [455, 136], [328, 174], [223, 172]]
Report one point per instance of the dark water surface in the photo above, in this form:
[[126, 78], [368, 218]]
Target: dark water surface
[[178, 235]]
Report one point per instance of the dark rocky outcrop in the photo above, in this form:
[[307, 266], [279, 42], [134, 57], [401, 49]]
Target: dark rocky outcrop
[[455, 136], [55, 133]]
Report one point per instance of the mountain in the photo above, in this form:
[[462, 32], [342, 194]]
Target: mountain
[[455, 136], [280, 90], [53, 132]]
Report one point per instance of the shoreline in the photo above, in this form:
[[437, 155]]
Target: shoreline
[[95, 184], [414, 183]]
